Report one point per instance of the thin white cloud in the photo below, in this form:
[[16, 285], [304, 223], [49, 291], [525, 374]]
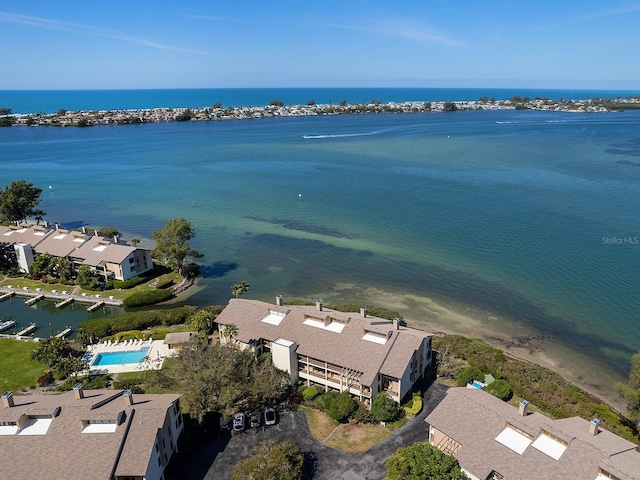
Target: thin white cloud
[[610, 12], [400, 28], [92, 30]]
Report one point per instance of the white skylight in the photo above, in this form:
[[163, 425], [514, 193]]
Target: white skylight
[[21, 230], [335, 327], [514, 440], [375, 338], [274, 318], [100, 428], [283, 342], [79, 240], [99, 248], [549, 446], [8, 429], [36, 426], [60, 237]]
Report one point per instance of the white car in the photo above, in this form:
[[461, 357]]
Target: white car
[[270, 416], [238, 422]]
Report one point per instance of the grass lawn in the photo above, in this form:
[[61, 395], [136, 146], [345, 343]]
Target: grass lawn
[[17, 370], [358, 438], [320, 425]]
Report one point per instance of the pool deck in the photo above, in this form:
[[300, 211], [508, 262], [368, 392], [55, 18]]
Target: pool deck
[[157, 353]]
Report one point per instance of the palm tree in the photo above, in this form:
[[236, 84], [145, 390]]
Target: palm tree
[[240, 288], [229, 330]]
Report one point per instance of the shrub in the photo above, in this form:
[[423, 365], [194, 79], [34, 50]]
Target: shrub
[[413, 406], [500, 389], [135, 385], [362, 413], [384, 408], [89, 382], [164, 284], [102, 327], [468, 375], [124, 284], [147, 298], [310, 393], [339, 406], [45, 379]]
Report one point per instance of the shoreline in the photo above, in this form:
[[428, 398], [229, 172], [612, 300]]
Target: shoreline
[[87, 118]]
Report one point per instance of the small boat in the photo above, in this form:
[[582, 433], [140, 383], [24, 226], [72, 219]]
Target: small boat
[[7, 324]]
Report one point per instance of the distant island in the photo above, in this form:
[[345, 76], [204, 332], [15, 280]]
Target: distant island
[[276, 108]]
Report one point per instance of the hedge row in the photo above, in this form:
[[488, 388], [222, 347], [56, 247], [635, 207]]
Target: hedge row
[[124, 284], [101, 327], [148, 297]]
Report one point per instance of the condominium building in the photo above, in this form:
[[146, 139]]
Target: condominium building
[[341, 351]]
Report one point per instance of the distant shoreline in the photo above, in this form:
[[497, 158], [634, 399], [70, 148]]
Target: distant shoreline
[[87, 118]]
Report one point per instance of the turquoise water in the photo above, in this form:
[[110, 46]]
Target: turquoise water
[[507, 213], [119, 358]]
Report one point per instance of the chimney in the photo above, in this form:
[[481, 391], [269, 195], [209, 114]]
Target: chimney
[[115, 239], [95, 233], [396, 323], [128, 397], [46, 223], [593, 427], [7, 400], [57, 227], [78, 392], [279, 301], [363, 312], [319, 305], [522, 409], [84, 229]]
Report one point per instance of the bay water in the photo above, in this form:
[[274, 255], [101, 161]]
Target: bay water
[[526, 219]]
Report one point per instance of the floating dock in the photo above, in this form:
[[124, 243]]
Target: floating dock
[[28, 330], [95, 306], [7, 295], [33, 300], [64, 333], [64, 303]]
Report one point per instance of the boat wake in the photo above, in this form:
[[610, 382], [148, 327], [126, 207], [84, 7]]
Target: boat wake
[[341, 135]]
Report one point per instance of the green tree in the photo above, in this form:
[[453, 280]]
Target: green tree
[[468, 375], [172, 244], [58, 355], [384, 408], [630, 390], [202, 321], [423, 461], [42, 265], [271, 461], [19, 201], [219, 378], [87, 277], [449, 107], [501, 389], [240, 288], [339, 406]]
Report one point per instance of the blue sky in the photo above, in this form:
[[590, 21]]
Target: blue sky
[[71, 44]]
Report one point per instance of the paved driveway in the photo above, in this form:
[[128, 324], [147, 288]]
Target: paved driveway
[[216, 460]]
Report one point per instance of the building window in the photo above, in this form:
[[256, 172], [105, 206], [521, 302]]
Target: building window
[[131, 260]]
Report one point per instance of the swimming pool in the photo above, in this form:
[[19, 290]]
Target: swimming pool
[[119, 358]]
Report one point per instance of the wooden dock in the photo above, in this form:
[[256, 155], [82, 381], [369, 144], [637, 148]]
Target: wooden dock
[[65, 302], [7, 295], [95, 306], [28, 330], [35, 299], [64, 333]]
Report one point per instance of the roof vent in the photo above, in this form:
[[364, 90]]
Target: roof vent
[[523, 408], [319, 305], [363, 312], [7, 399], [78, 392], [128, 397], [594, 427], [396, 323], [279, 301]]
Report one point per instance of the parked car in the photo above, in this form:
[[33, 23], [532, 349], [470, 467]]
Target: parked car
[[254, 419], [239, 422], [270, 416]]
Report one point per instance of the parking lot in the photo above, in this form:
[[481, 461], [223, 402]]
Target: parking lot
[[216, 460]]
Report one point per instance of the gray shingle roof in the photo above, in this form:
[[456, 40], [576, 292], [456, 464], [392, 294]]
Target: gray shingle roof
[[474, 419], [346, 349], [66, 453]]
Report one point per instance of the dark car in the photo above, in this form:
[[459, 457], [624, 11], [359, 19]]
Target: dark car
[[270, 416], [254, 419], [238, 422]]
